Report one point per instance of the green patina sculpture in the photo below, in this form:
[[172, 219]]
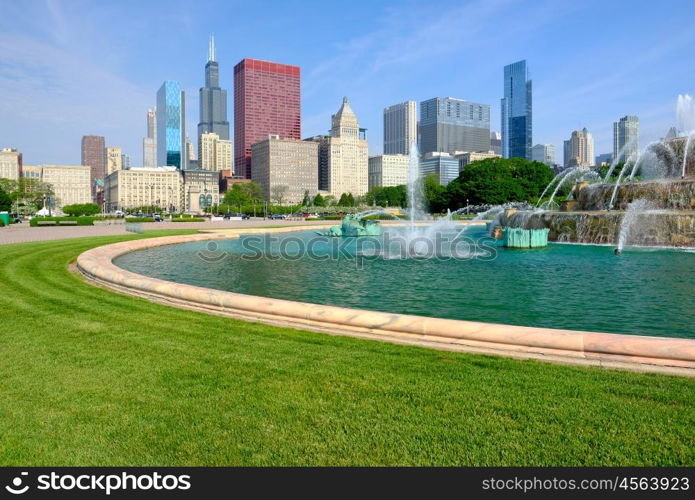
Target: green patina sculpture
[[515, 237], [353, 225]]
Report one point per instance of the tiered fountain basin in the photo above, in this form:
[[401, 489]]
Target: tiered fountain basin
[[657, 229], [670, 221], [270, 291]]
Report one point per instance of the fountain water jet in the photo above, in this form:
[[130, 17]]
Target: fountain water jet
[[630, 223], [633, 158]]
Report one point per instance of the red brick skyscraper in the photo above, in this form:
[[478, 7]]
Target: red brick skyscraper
[[266, 101], [94, 155]]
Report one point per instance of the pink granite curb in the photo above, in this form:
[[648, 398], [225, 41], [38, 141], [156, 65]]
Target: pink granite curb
[[633, 352]]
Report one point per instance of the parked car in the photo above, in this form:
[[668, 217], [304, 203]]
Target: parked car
[[157, 218], [119, 213], [278, 216], [236, 215]]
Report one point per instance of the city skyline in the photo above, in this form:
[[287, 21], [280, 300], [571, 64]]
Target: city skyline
[[372, 60]]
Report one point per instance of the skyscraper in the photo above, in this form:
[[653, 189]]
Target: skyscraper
[[496, 142], [114, 159], [213, 100], [625, 137], [149, 143], [214, 153], [579, 149], [544, 153], [171, 126], [94, 156], [517, 129], [448, 125], [348, 163], [266, 102], [400, 128]]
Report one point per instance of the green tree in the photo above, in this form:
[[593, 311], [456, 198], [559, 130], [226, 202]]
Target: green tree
[[319, 201], [80, 209], [26, 194], [343, 201], [395, 196], [307, 199], [603, 170], [499, 180], [386, 196], [373, 196], [243, 193], [434, 193], [5, 201], [278, 192], [350, 200]]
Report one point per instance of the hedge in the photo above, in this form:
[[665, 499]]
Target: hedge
[[189, 219], [139, 219], [81, 221]]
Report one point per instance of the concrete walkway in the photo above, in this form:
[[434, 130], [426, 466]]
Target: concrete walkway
[[19, 233]]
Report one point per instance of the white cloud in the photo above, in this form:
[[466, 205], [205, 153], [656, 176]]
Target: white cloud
[[51, 97]]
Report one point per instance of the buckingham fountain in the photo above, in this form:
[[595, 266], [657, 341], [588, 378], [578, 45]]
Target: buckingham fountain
[[651, 202]]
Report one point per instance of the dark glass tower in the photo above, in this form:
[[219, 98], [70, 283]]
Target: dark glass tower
[[213, 100], [517, 106]]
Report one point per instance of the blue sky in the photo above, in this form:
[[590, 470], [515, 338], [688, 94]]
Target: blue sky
[[70, 68]]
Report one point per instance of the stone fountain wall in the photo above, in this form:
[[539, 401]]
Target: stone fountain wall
[[670, 153], [671, 194], [656, 228]]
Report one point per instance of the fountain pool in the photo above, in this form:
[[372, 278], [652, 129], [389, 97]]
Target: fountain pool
[[577, 287]]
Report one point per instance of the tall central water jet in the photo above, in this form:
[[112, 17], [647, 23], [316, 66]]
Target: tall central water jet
[[414, 189]]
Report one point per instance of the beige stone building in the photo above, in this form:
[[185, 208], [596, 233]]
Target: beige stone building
[[138, 187], [388, 170], [466, 157], [347, 163], [114, 159], [10, 164], [579, 149], [201, 189], [215, 153], [31, 172], [71, 183], [285, 168]]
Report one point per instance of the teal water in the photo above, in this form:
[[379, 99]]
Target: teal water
[[577, 287]]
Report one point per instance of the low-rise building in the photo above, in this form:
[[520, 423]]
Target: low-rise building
[[71, 184], [31, 172], [544, 153], [466, 157], [201, 190], [388, 170], [444, 165], [10, 164], [286, 169], [138, 187], [227, 179]]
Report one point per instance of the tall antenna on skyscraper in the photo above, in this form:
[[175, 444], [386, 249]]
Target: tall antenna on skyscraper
[[211, 48]]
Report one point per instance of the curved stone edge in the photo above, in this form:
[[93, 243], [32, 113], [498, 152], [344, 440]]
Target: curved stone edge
[[632, 352]]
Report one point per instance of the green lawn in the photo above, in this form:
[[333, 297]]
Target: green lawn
[[90, 377]]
